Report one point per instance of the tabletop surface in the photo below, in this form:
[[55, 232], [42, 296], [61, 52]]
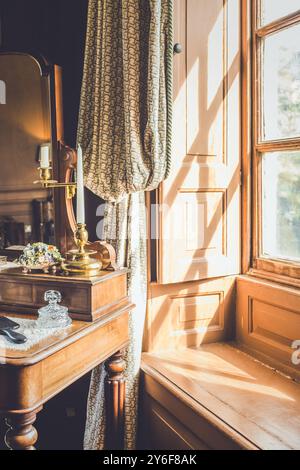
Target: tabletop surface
[[17, 273], [54, 342]]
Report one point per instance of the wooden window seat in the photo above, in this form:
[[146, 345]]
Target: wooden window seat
[[218, 397]]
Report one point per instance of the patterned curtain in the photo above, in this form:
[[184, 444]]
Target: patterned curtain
[[125, 131]]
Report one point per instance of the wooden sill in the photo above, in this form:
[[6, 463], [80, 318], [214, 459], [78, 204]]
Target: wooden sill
[[273, 277], [287, 273], [248, 401], [266, 276]]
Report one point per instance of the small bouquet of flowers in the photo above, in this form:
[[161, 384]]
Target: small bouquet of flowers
[[39, 256]]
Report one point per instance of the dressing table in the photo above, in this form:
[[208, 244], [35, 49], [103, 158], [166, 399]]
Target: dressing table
[[38, 206], [30, 378]]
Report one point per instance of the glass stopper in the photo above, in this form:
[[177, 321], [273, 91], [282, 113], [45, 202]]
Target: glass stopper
[[52, 296]]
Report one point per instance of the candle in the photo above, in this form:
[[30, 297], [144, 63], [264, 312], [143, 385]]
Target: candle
[[44, 156], [80, 188]]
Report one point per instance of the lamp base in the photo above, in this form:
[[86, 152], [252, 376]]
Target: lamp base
[[81, 263]]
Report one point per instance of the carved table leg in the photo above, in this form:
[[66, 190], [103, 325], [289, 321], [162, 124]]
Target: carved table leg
[[21, 434], [115, 401]]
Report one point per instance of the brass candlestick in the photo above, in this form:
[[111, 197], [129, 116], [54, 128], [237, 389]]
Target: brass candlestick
[[79, 262], [47, 183]]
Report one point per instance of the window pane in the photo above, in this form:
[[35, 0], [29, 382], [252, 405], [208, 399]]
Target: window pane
[[281, 84], [274, 9], [281, 205]]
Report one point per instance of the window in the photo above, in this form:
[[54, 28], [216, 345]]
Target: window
[[281, 205], [280, 56], [272, 10], [276, 136]]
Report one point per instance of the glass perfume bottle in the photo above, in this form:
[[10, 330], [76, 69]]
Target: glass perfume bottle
[[53, 315]]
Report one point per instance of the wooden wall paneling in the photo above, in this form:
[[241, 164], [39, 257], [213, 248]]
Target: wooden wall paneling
[[190, 314], [200, 201], [166, 431], [268, 322]]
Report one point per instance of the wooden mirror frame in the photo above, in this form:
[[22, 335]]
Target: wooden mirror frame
[[64, 159]]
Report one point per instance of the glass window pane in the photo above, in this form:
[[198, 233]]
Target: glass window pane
[[281, 85], [281, 205], [274, 9]]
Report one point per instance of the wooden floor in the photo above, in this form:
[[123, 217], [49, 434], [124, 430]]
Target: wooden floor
[[250, 399]]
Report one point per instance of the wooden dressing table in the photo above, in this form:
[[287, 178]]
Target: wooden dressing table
[[30, 378], [98, 305]]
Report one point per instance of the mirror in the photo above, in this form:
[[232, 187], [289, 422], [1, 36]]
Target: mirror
[[94, 214], [28, 119]]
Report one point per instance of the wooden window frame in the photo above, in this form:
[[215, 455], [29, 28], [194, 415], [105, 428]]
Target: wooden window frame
[[286, 272]]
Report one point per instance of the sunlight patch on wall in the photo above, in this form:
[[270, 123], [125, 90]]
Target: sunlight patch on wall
[[215, 62], [193, 102]]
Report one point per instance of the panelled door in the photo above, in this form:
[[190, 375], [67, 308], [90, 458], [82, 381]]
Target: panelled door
[[199, 218]]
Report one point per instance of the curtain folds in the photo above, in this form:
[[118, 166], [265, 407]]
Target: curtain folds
[[125, 132]]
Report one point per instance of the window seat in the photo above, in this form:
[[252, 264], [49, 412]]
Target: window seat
[[218, 397]]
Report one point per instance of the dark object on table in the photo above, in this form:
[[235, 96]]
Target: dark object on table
[[8, 327], [43, 220], [11, 232]]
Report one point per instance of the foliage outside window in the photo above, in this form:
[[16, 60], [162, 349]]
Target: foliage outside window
[[276, 112]]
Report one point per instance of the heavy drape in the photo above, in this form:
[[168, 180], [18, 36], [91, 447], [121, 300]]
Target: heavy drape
[[125, 132]]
